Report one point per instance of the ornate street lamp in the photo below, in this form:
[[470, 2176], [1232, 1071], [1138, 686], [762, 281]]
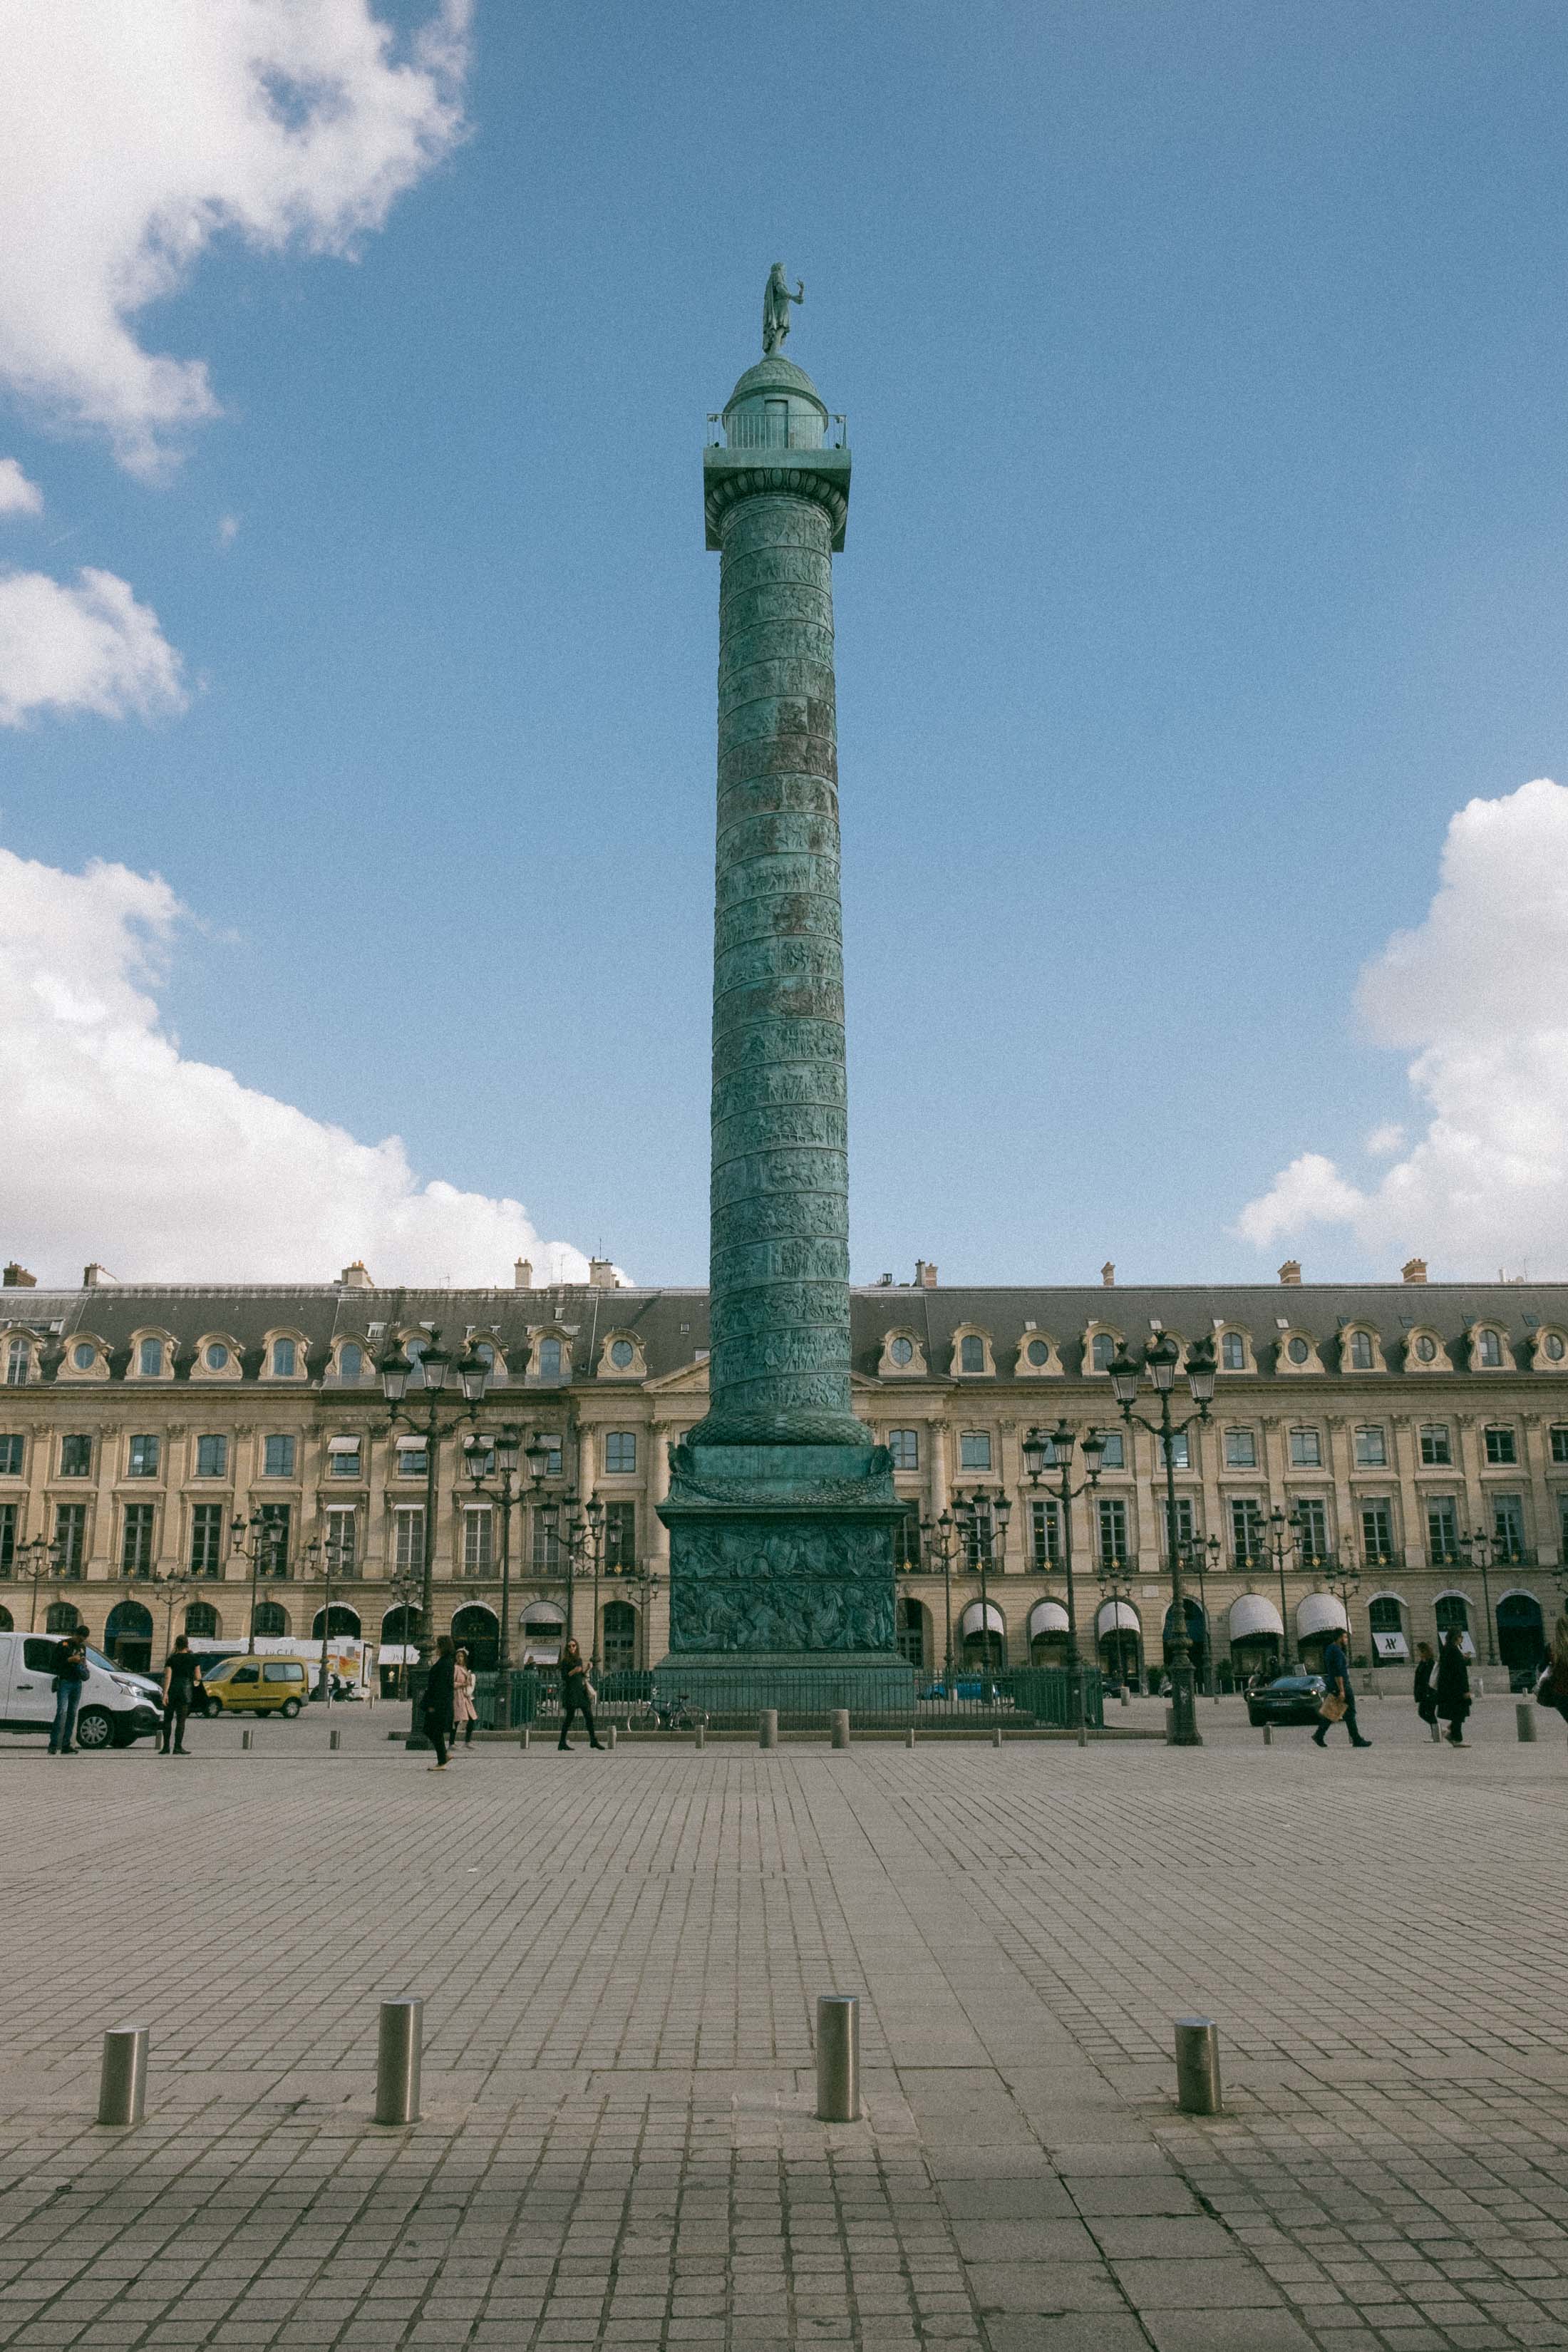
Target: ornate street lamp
[[396, 1369], [1478, 1544], [500, 1448], [938, 1538], [1116, 1587], [1057, 1448], [980, 1520], [256, 1539], [1283, 1535], [1201, 1556], [326, 1554], [1161, 1358], [38, 1559]]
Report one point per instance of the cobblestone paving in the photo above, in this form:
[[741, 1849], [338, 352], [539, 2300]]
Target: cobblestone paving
[[620, 1956]]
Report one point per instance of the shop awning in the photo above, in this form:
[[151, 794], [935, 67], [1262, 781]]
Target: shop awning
[[1255, 1613], [1390, 1645], [994, 1620], [1047, 1617], [1320, 1612], [1116, 1617]]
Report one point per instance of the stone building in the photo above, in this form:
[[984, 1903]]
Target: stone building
[[1412, 1437]]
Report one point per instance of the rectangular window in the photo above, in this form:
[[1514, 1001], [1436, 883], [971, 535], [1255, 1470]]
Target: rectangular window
[[273, 1537], [76, 1456], [344, 1460], [974, 1449], [1233, 1352], [1560, 1443], [11, 1457], [904, 1446], [978, 1536], [620, 1535], [1436, 1452], [7, 1536], [1112, 1515], [907, 1541], [1113, 1455], [1240, 1449], [1306, 1450], [1443, 1530], [342, 1539], [212, 1457], [1246, 1531], [71, 1538], [19, 1364], [476, 1549], [1311, 1524], [620, 1452], [277, 1458], [1501, 1449], [546, 1551], [1044, 1534], [413, 1461], [1371, 1450], [408, 1536], [136, 1541], [1508, 1531], [1181, 1457], [1183, 1523], [549, 1359], [207, 1540], [143, 1461], [551, 1441], [1377, 1533], [1562, 1526]]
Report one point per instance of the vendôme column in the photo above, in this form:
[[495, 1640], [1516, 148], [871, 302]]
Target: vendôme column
[[780, 1507]]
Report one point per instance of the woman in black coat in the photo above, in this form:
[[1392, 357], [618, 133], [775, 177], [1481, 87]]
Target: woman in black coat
[[1426, 1696], [440, 1699], [574, 1698], [1453, 1688]]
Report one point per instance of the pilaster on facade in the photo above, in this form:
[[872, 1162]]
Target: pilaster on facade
[[1412, 1531]]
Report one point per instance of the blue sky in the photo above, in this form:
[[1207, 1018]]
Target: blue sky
[[1205, 372]]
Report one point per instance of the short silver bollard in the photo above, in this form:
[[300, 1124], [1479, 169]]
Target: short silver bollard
[[247, 1738], [1524, 1718], [399, 2044], [1126, 1699], [334, 1739], [700, 1738], [841, 1727], [1436, 1733], [1268, 1735], [523, 1737], [837, 2058], [768, 1728], [1197, 2066], [123, 2084], [609, 1735], [1083, 1735], [996, 1736], [910, 1737], [1170, 1725]]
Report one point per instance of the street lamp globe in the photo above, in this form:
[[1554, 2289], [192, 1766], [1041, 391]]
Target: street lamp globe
[[1093, 1450], [1160, 1362], [1202, 1371], [476, 1454], [508, 1440], [537, 1457], [1123, 1377], [435, 1363], [1035, 1450], [395, 1369], [474, 1372]]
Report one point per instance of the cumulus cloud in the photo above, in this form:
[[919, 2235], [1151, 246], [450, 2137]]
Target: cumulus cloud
[[118, 1147], [88, 647], [133, 136], [18, 496], [1384, 1140], [1477, 994]]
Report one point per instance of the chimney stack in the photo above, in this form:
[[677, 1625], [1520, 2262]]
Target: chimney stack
[[16, 1277], [1107, 1275], [1291, 1270], [1414, 1270], [602, 1274], [925, 1274], [354, 1277], [523, 1275], [93, 1275]]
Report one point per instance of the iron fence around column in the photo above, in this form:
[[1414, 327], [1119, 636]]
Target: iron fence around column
[[1021, 1698]]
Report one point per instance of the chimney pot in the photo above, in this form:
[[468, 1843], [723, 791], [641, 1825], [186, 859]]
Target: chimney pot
[[1108, 1274], [925, 1274], [354, 1277], [602, 1274], [16, 1277], [523, 1275], [1414, 1270], [1291, 1270]]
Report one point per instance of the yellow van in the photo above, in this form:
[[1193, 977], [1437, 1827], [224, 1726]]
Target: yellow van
[[257, 1687]]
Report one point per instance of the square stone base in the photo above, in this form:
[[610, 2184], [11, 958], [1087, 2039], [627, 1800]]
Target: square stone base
[[803, 1685]]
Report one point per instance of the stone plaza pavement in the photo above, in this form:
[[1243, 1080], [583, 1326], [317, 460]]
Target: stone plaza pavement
[[620, 1956]]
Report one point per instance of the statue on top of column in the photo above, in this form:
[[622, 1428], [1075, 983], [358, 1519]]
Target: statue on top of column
[[775, 307]]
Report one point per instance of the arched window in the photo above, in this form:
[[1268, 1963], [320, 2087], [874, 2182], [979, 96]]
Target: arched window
[[201, 1620], [283, 1359], [1383, 1615], [271, 1620], [1103, 1349], [150, 1360], [19, 1364], [1233, 1352], [61, 1618], [549, 1359], [972, 1353], [475, 1629], [1491, 1350], [1361, 1351], [344, 1626], [350, 1362], [1452, 1614], [620, 1637], [911, 1633], [401, 1626]]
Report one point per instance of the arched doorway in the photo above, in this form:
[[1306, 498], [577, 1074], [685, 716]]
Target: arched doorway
[[985, 1638], [620, 1636], [401, 1627], [1197, 1634], [64, 1618], [128, 1636], [201, 1621], [544, 1630], [344, 1627], [271, 1621], [1256, 1637], [1317, 1619], [1048, 1634], [478, 1630], [1118, 1634], [1520, 1633], [911, 1628]]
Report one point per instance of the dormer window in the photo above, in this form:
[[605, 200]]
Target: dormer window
[[283, 1353], [84, 1355], [1489, 1351], [621, 1352], [549, 1359], [901, 1351], [1361, 1351], [1425, 1349], [1103, 1351], [1232, 1352], [972, 1353], [1037, 1354], [1297, 1349], [1553, 1348], [150, 1360], [218, 1357], [19, 1364], [350, 1362]]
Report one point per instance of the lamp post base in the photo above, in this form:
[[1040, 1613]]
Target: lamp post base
[[417, 1682], [1185, 1732]]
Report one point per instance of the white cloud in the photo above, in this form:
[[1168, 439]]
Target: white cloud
[[1384, 1140], [119, 1148], [130, 136], [1479, 995], [91, 648], [227, 529], [18, 496]]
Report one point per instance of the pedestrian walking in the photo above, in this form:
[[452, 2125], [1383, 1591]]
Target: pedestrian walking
[[465, 1713], [1339, 1702], [70, 1673], [1452, 1687], [1426, 1696], [439, 1699], [181, 1680], [577, 1696], [1552, 1690]]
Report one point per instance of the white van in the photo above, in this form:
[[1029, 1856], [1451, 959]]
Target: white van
[[116, 1707]]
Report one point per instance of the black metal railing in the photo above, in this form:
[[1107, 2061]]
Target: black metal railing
[[1016, 1697]]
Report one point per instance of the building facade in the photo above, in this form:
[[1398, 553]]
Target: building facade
[[1397, 1451]]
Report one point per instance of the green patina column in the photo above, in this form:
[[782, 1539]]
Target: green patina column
[[780, 1507]]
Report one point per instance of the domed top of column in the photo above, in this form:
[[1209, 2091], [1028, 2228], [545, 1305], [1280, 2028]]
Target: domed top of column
[[775, 405]]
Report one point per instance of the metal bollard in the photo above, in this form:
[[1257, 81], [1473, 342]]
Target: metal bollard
[[700, 1738], [1436, 1733], [768, 1728], [841, 1727], [1268, 1735], [1524, 1718], [837, 2058], [910, 1737], [1170, 1724], [996, 1736], [1083, 1735], [399, 2044], [247, 1738], [1126, 1700], [609, 1735], [122, 2083], [334, 1739], [1197, 2066], [523, 1737]]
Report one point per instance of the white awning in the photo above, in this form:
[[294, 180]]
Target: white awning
[[1320, 1612], [1391, 1645], [994, 1621], [351, 1445], [544, 1613], [1254, 1613], [411, 1445], [1116, 1617], [1047, 1617]]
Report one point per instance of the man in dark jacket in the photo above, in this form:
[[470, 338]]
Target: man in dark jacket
[[440, 1699], [70, 1673], [1452, 1687], [1337, 1674]]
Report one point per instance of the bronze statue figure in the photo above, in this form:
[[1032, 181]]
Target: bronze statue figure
[[775, 307]]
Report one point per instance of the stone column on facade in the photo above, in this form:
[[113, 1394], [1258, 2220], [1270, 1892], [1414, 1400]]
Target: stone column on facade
[[1412, 1525], [1547, 1527], [170, 1520], [1345, 1535], [377, 1511], [936, 1469], [1477, 1518], [241, 1501]]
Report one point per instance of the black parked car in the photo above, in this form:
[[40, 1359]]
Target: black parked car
[[1289, 1698]]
